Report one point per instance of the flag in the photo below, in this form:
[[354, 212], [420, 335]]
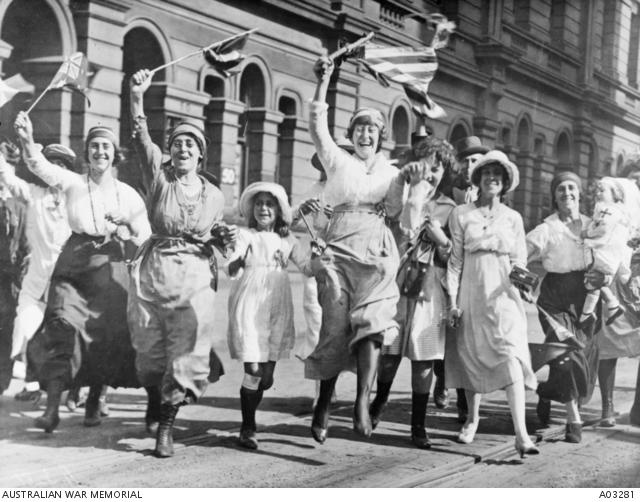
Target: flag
[[6, 93], [20, 84], [72, 75], [413, 68], [227, 56]]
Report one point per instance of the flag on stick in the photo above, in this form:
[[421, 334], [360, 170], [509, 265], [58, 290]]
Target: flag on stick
[[413, 68], [228, 45], [226, 56], [72, 74], [6, 92]]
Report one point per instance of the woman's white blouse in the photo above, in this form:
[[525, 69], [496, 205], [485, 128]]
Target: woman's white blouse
[[559, 249], [88, 203], [348, 181]]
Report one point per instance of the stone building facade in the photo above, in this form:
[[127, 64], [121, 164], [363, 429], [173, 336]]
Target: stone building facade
[[552, 82]]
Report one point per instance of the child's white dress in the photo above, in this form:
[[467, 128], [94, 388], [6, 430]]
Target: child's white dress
[[607, 236], [261, 324]]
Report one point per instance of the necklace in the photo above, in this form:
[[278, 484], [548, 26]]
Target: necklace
[[93, 212], [488, 216]]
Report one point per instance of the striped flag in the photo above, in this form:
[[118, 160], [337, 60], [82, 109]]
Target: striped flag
[[413, 68]]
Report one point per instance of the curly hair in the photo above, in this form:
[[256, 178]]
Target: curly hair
[[441, 151]]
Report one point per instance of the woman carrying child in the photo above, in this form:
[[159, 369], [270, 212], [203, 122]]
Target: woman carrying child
[[261, 329]]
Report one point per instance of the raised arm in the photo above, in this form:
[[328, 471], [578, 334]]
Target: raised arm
[[149, 153], [326, 147], [51, 174]]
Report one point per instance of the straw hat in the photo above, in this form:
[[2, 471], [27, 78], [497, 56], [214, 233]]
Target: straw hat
[[496, 157], [246, 199]]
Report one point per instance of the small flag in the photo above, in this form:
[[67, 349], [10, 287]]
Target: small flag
[[227, 55], [413, 68], [73, 75], [6, 93], [20, 84]]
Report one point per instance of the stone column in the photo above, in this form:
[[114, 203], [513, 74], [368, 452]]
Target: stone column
[[262, 141], [100, 30], [221, 124]]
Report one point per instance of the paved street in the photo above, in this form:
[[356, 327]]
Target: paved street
[[118, 453]]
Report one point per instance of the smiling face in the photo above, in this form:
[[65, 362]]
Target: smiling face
[[434, 171], [185, 153], [101, 153], [365, 139], [265, 210], [492, 180], [567, 197]]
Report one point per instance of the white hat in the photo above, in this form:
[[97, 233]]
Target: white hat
[[496, 157], [246, 199]]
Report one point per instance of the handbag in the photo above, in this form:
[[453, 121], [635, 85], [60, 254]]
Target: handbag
[[414, 267]]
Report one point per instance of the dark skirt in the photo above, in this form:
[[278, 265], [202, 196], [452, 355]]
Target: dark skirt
[[572, 376], [85, 338], [7, 314]]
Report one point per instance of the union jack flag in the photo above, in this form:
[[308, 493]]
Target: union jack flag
[[73, 72], [226, 57], [413, 68]]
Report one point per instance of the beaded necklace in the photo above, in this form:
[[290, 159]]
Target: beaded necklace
[[93, 212]]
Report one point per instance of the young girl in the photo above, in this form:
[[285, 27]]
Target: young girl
[[261, 329], [606, 237]]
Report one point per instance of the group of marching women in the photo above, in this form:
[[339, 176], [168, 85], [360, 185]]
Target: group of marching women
[[132, 289]]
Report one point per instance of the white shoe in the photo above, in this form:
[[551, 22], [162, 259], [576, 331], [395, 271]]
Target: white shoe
[[467, 433]]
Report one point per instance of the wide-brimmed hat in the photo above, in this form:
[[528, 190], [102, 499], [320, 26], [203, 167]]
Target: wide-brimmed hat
[[468, 146], [496, 157], [345, 144], [246, 199]]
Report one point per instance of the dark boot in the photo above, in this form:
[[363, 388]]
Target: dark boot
[[154, 403], [573, 433], [543, 410], [461, 404], [164, 438], [419, 435], [320, 421], [50, 420], [606, 379], [249, 400], [379, 403], [634, 414], [92, 407]]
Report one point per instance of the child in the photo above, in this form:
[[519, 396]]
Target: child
[[261, 329], [606, 237]]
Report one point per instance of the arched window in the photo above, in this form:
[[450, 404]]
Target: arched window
[[252, 94], [140, 50], [31, 28], [563, 151], [286, 142], [400, 130], [524, 133]]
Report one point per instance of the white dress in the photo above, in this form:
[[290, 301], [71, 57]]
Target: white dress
[[489, 351], [261, 325]]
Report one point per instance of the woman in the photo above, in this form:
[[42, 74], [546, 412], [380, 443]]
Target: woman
[[557, 242], [356, 274], [489, 350], [14, 250], [423, 303], [621, 338], [85, 338], [173, 279], [47, 231]]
